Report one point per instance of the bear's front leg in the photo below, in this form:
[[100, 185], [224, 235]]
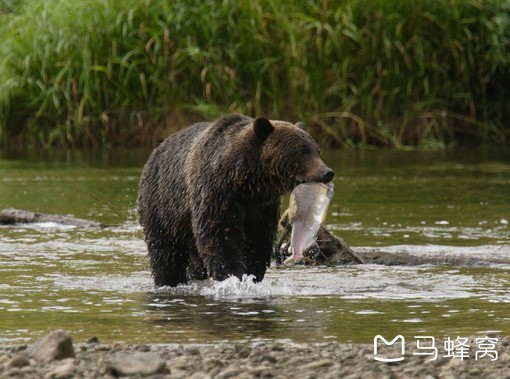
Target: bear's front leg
[[223, 254], [221, 242], [220, 268]]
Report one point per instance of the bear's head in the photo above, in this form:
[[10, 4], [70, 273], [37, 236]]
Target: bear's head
[[290, 154]]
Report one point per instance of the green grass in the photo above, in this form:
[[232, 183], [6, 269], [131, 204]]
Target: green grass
[[359, 72]]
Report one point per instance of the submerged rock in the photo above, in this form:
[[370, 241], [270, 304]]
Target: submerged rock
[[10, 216], [332, 250], [329, 249]]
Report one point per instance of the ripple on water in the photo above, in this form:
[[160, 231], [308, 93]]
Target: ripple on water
[[424, 283], [101, 278]]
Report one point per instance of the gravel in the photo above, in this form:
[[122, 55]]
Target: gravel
[[93, 359]]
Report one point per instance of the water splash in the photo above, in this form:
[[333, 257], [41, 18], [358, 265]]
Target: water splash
[[233, 288]]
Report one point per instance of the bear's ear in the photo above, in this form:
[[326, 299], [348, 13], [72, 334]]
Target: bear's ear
[[262, 128], [300, 125]]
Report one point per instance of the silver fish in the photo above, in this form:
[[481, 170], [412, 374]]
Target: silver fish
[[307, 209]]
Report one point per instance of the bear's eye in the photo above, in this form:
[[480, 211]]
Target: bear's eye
[[304, 151]]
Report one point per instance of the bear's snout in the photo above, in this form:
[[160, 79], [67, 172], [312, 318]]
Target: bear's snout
[[327, 175], [321, 174]]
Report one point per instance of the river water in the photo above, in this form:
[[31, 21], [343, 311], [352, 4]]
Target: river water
[[97, 282]]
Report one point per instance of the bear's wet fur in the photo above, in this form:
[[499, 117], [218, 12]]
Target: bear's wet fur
[[209, 196]]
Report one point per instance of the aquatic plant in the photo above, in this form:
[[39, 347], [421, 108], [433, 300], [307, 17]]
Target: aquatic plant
[[381, 72]]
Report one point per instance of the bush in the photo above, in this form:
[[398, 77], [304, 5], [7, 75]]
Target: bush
[[384, 72]]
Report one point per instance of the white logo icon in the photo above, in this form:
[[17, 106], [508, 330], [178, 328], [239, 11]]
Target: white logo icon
[[394, 340]]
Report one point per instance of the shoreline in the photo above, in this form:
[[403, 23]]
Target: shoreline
[[56, 356]]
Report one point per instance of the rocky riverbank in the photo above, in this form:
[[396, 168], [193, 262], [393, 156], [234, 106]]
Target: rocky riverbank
[[55, 356]]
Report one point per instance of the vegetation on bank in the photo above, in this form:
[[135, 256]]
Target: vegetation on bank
[[383, 72]]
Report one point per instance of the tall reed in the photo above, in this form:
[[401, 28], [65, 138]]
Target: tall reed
[[383, 72]]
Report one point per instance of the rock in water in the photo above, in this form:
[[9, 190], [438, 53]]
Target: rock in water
[[334, 250], [11, 216], [56, 345]]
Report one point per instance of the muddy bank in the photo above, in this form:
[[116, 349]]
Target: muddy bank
[[55, 356]]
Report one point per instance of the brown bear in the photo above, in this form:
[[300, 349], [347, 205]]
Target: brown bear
[[209, 196]]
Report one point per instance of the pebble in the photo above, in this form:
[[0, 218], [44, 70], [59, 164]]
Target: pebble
[[200, 375], [93, 340], [211, 363], [318, 364], [18, 361], [123, 364], [230, 372], [241, 361], [244, 352], [271, 358], [63, 371], [179, 363]]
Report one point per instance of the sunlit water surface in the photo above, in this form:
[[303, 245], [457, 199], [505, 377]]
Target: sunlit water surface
[[97, 283]]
